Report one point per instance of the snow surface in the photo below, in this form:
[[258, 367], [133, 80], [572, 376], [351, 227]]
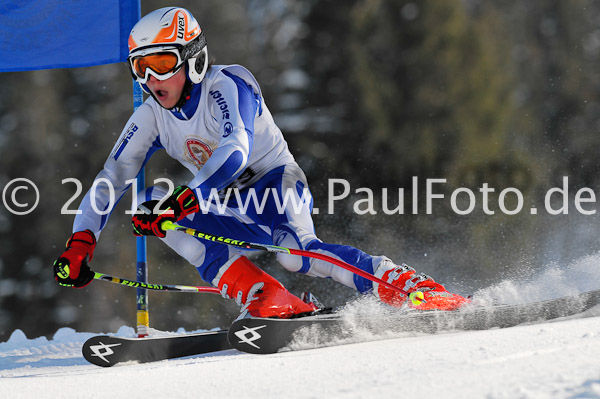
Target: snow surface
[[557, 359]]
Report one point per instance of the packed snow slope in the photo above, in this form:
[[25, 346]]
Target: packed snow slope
[[554, 359]]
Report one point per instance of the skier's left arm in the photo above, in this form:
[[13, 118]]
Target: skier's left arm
[[233, 104]]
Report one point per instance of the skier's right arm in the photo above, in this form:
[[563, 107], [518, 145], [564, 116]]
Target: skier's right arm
[[138, 140]]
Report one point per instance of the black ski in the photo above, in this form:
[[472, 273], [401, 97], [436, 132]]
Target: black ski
[[106, 351], [259, 335]]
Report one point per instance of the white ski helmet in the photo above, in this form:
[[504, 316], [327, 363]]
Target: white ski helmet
[[162, 42]]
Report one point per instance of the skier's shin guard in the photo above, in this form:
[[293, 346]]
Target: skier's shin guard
[[423, 292], [259, 294]]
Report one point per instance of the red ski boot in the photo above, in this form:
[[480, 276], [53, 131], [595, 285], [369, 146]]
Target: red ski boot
[[423, 292], [259, 294]]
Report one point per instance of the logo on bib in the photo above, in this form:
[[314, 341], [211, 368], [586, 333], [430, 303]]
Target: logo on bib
[[197, 152], [228, 129]]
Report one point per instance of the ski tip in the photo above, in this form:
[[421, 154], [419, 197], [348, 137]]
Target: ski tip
[[98, 350]]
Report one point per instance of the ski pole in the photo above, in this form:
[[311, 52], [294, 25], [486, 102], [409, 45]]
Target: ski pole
[[155, 287], [168, 225]]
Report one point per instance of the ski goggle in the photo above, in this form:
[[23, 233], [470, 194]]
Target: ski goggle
[[162, 65]]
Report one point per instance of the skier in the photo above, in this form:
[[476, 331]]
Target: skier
[[214, 121]]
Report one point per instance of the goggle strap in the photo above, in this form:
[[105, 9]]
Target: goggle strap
[[194, 47]]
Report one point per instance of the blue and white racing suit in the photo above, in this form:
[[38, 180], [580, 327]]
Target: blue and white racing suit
[[249, 186]]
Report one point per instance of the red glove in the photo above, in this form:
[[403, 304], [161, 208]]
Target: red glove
[[71, 268], [181, 203]]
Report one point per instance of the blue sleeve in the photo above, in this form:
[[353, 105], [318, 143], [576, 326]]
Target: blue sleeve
[[233, 103], [138, 141]]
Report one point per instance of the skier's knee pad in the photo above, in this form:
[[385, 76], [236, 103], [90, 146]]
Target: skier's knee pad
[[289, 237]]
